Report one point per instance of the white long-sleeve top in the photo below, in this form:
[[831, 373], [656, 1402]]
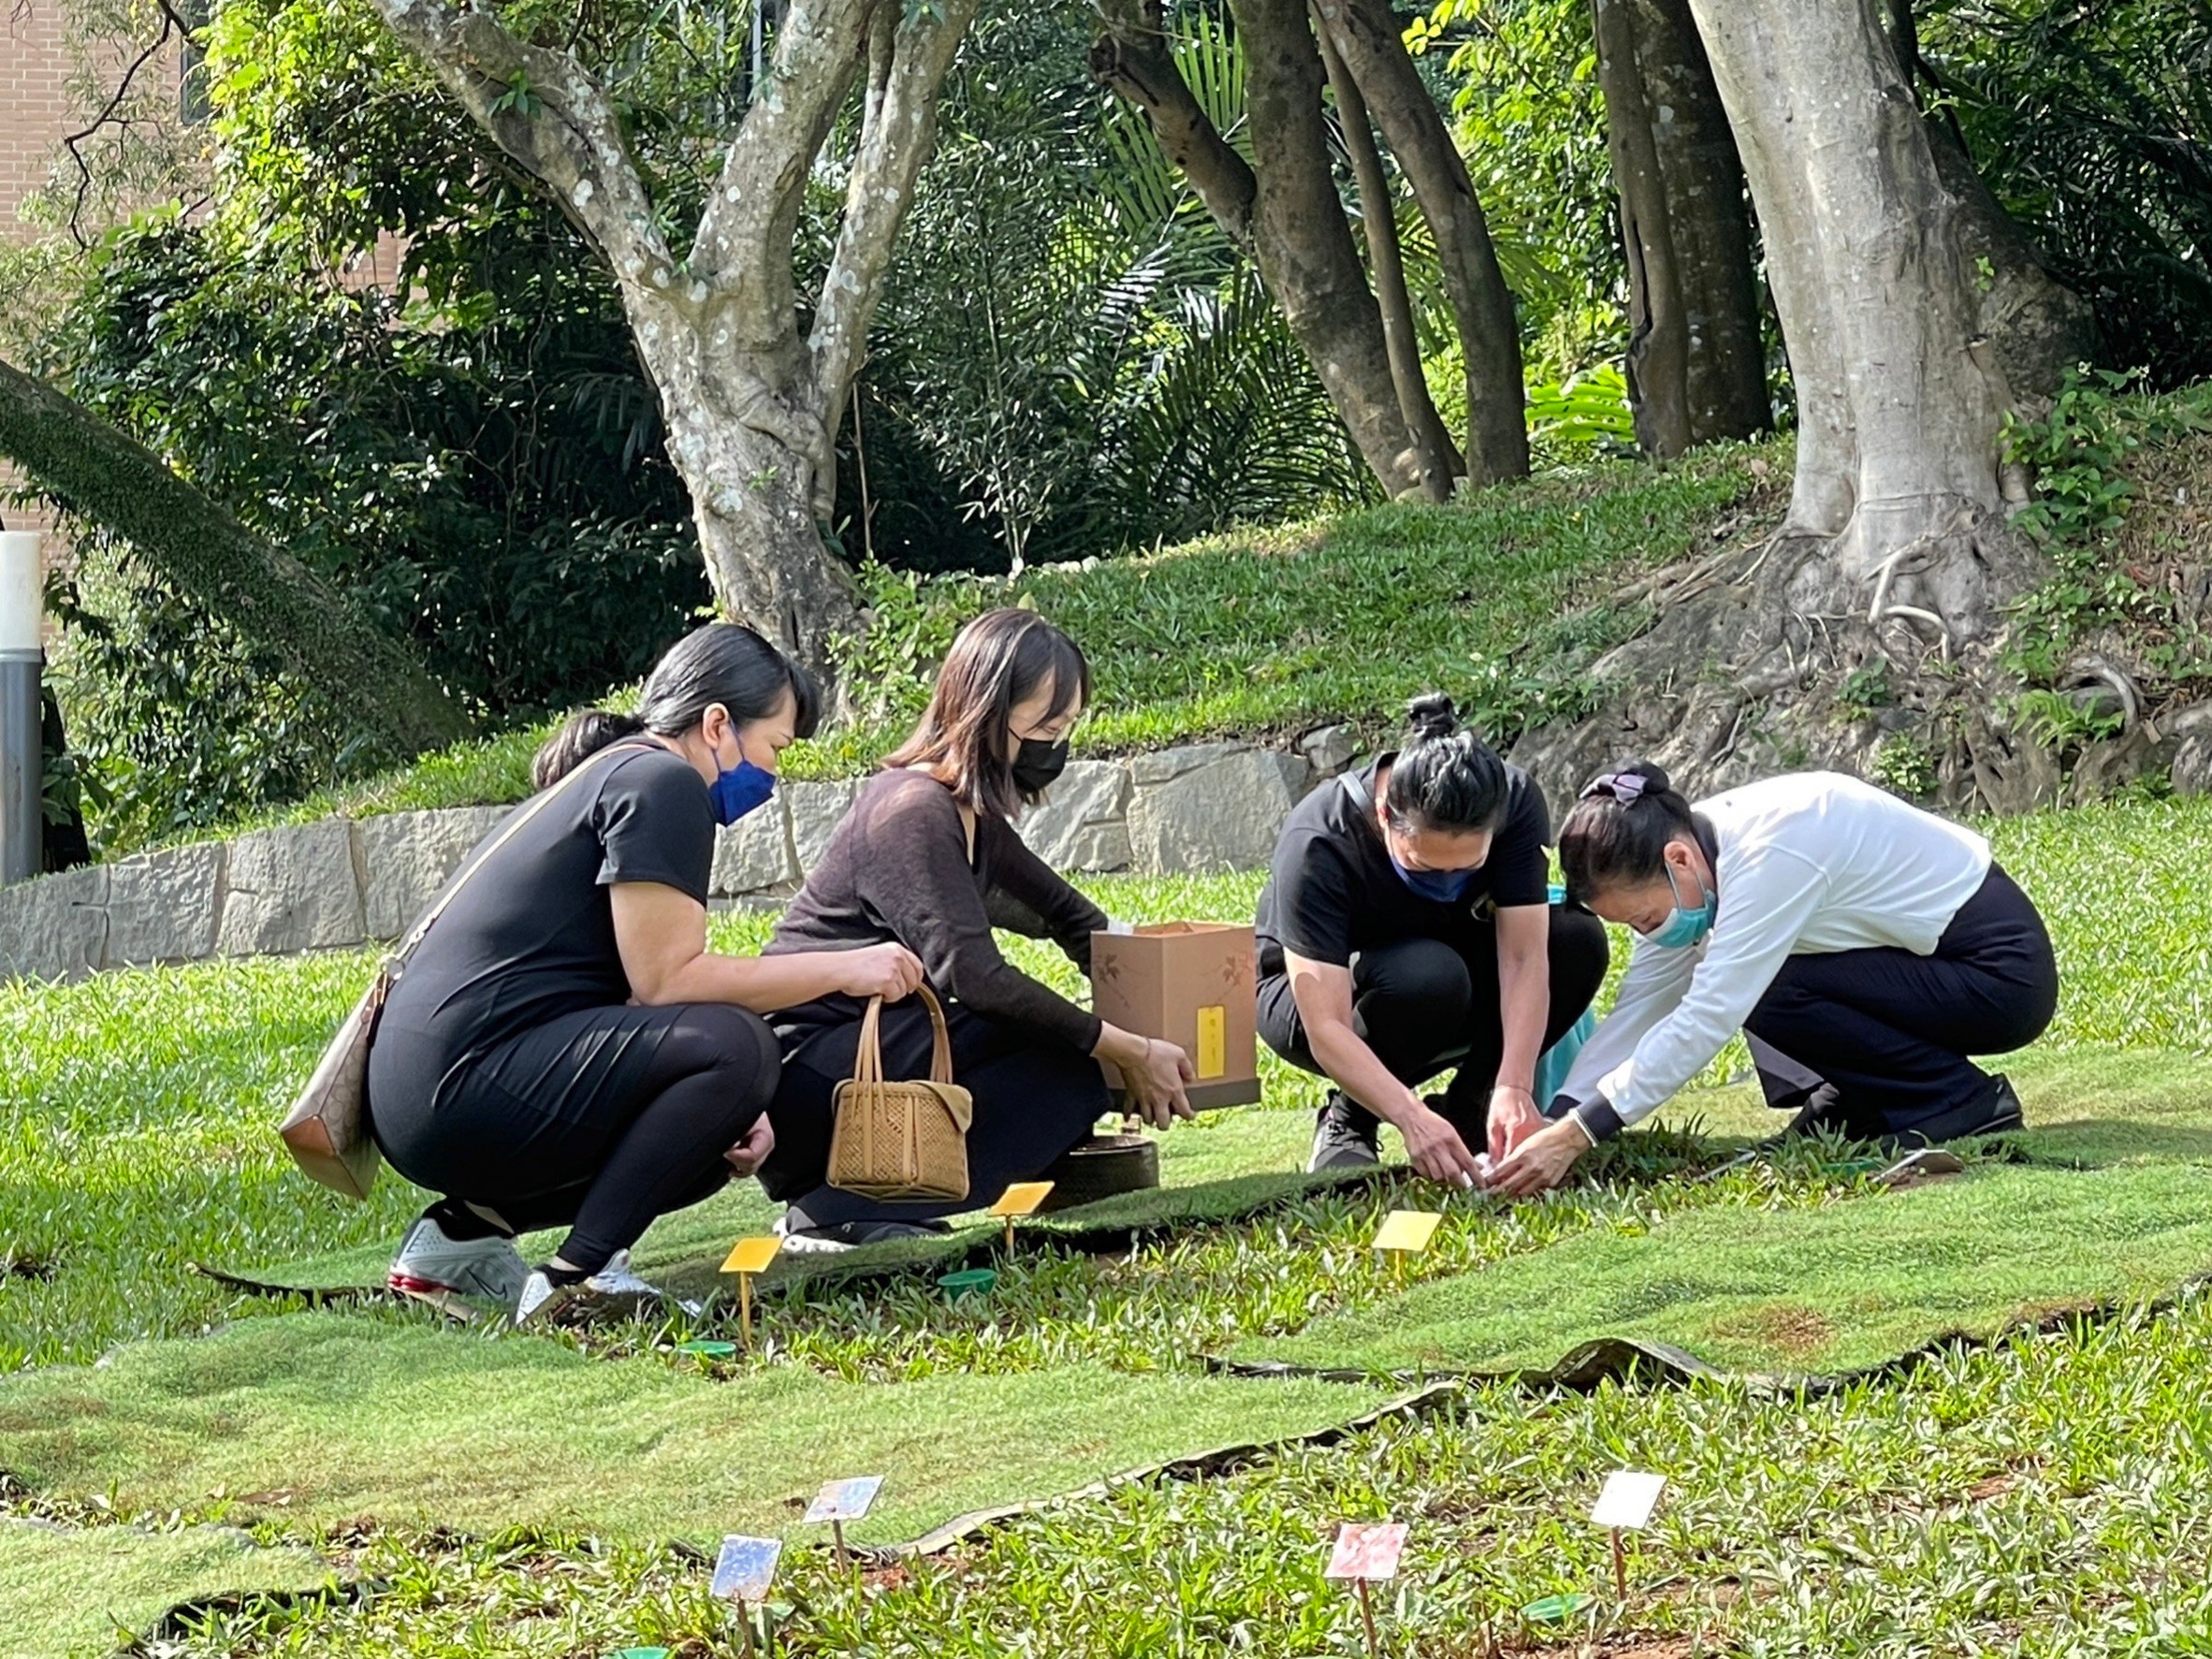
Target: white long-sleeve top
[[1807, 864]]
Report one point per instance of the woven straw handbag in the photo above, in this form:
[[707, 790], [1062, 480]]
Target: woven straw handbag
[[901, 1141], [326, 1130]]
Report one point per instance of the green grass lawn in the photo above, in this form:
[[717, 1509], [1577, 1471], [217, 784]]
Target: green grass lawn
[[1261, 631], [2043, 1495]]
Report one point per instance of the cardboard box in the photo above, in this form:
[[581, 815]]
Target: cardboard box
[[1191, 983]]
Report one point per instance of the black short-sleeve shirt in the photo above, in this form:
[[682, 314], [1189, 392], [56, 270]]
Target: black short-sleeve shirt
[[532, 936], [1332, 891]]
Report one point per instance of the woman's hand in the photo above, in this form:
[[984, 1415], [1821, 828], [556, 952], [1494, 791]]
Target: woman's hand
[[1540, 1162], [889, 971], [1513, 1118], [749, 1153], [1156, 1074], [1435, 1148]]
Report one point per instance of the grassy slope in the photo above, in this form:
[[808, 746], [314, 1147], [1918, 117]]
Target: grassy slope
[[1264, 630]]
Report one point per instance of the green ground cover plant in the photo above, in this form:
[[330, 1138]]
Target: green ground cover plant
[[1260, 631]]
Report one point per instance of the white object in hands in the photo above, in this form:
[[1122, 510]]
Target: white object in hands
[[1116, 926], [1627, 1501]]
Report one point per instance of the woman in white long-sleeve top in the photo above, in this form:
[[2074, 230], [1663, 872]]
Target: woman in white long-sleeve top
[[1866, 947]]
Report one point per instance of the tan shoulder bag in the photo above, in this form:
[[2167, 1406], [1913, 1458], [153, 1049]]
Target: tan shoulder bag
[[327, 1130], [901, 1141]]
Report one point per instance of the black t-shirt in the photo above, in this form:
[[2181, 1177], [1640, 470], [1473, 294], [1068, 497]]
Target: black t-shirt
[[1334, 892], [532, 937]]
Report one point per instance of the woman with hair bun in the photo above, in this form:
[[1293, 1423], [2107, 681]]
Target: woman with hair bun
[[562, 1049], [1406, 929], [1865, 947]]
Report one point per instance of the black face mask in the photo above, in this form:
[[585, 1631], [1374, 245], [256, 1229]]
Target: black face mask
[[1036, 763]]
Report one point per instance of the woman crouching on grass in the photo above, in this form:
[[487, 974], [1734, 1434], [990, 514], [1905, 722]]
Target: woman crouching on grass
[[927, 857], [563, 1050], [1865, 947]]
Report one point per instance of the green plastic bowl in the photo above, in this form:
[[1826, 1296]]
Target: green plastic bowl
[[1558, 1609], [700, 1350], [643, 1654], [974, 1281]]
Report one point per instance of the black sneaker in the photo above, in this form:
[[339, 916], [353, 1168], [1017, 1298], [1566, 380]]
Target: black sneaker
[[1344, 1137], [1824, 1114], [1994, 1110]]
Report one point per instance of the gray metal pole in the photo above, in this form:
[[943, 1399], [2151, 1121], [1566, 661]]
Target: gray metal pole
[[23, 817], [22, 661]]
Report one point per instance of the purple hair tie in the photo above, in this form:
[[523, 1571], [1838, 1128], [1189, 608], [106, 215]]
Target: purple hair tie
[[1623, 787]]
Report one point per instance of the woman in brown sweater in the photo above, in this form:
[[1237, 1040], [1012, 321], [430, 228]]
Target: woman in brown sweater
[[927, 857]]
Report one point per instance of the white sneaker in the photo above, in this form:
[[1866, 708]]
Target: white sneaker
[[434, 1268], [616, 1279], [543, 1303]]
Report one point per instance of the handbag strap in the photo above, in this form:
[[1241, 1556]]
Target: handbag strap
[[867, 1061], [507, 833]]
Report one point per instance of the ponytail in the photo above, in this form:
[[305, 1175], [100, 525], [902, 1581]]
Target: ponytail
[[1618, 832], [1445, 778], [724, 662], [581, 737]]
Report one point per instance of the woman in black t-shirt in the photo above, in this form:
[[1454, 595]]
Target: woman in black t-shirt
[[1406, 927], [927, 856], [563, 1050]]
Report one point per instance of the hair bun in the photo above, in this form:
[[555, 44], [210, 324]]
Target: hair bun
[[1654, 779], [1431, 715]]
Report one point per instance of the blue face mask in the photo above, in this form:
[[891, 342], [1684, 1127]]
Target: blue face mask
[[1684, 927], [740, 789], [1443, 887]]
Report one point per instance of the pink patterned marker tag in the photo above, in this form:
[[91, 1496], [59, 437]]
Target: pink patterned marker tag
[[1367, 1550]]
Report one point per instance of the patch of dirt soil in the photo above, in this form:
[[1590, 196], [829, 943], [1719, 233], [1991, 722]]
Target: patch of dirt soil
[[1788, 1327]]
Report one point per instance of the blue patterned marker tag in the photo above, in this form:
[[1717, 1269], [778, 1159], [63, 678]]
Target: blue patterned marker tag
[[746, 1568], [844, 1500]]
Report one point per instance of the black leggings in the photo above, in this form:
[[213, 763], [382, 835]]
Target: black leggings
[[1422, 1005], [1892, 1030], [599, 1121], [1035, 1098]]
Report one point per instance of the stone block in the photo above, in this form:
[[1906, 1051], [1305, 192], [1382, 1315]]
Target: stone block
[[816, 811], [54, 927], [408, 856], [2192, 733], [292, 889], [1330, 749], [165, 907], [1220, 814], [1162, 765], [754, 855], [1082, 824]]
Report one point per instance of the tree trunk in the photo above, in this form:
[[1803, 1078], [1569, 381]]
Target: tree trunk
[[1306, 254], [1130, 59], [1368, 35], [102, 475], [1869, 257], [1695, 364], [1439, 458]]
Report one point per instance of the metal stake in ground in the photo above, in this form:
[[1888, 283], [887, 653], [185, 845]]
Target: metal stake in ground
[[1366, 1552], [748, 1257], [1021, 1199]]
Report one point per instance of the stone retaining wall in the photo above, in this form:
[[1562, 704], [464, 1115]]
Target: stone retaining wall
[[346, 883]]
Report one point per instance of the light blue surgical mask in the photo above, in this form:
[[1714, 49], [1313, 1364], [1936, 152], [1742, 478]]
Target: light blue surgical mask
[[740, 789], [1685, 927]]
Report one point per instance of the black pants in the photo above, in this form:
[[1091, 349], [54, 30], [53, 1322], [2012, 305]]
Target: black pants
[[1035, 1098], [1422, 1005], [600, 1121], [1892, 1030]]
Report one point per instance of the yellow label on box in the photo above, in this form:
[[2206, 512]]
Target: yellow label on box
[[1212, 1042], [752, 1255], [1410, 1230], [1021, 1198]]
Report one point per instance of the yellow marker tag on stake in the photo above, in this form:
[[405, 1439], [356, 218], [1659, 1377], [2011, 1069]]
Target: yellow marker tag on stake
[[1022, 1198], [1407, 1230], [752, 1255], [1212, 1042]]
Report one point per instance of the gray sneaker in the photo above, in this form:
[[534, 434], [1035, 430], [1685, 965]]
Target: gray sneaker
[[435, 1269], [1344, 1137]]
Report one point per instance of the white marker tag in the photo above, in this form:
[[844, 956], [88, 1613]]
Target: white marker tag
[[1366, 1550], [845, 1500], [746, 1568], [1627, 1501]]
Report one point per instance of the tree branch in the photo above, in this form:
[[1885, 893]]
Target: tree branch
[[101, 474], [1131, 59], [552, 116], [894, 143]]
